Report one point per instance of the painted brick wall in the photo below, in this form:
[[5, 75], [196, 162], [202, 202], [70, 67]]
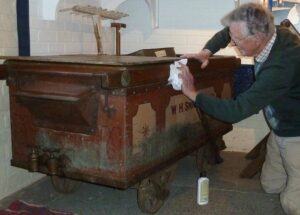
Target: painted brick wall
[[66, 33], [11, 178]]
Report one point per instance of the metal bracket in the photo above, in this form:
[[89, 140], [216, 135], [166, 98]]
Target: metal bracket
[[109, 109]]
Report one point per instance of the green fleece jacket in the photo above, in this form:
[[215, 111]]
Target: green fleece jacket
[[277, 86]]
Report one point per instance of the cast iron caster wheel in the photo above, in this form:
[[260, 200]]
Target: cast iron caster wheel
[[153, 191], [64, 185]]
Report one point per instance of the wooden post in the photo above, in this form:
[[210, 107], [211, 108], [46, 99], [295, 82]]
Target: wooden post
[[3, 72], [118, 27]]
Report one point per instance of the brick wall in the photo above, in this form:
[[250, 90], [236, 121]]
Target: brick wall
[[67, 33], [184, 41], [11, 178]]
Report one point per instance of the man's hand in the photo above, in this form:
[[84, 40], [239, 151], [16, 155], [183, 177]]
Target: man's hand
[[202, 57], [188, 87]]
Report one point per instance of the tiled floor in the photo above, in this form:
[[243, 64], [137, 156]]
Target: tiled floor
[[228, 194]]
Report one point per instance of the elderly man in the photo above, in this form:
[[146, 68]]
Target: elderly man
[[276, 91]]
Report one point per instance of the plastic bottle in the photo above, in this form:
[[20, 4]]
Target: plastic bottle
[[203, 191]]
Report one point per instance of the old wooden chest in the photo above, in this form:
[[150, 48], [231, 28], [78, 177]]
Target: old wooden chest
[[110, 120]]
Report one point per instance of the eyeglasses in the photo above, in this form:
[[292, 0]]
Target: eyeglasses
[[237, 41]]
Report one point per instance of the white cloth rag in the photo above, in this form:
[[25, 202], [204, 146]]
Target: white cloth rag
[[174, 80]]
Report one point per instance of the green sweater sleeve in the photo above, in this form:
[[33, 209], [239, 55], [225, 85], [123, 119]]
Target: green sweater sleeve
[[220, 40], [273, 82]]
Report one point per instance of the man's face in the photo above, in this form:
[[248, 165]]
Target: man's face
[[247, 45]]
